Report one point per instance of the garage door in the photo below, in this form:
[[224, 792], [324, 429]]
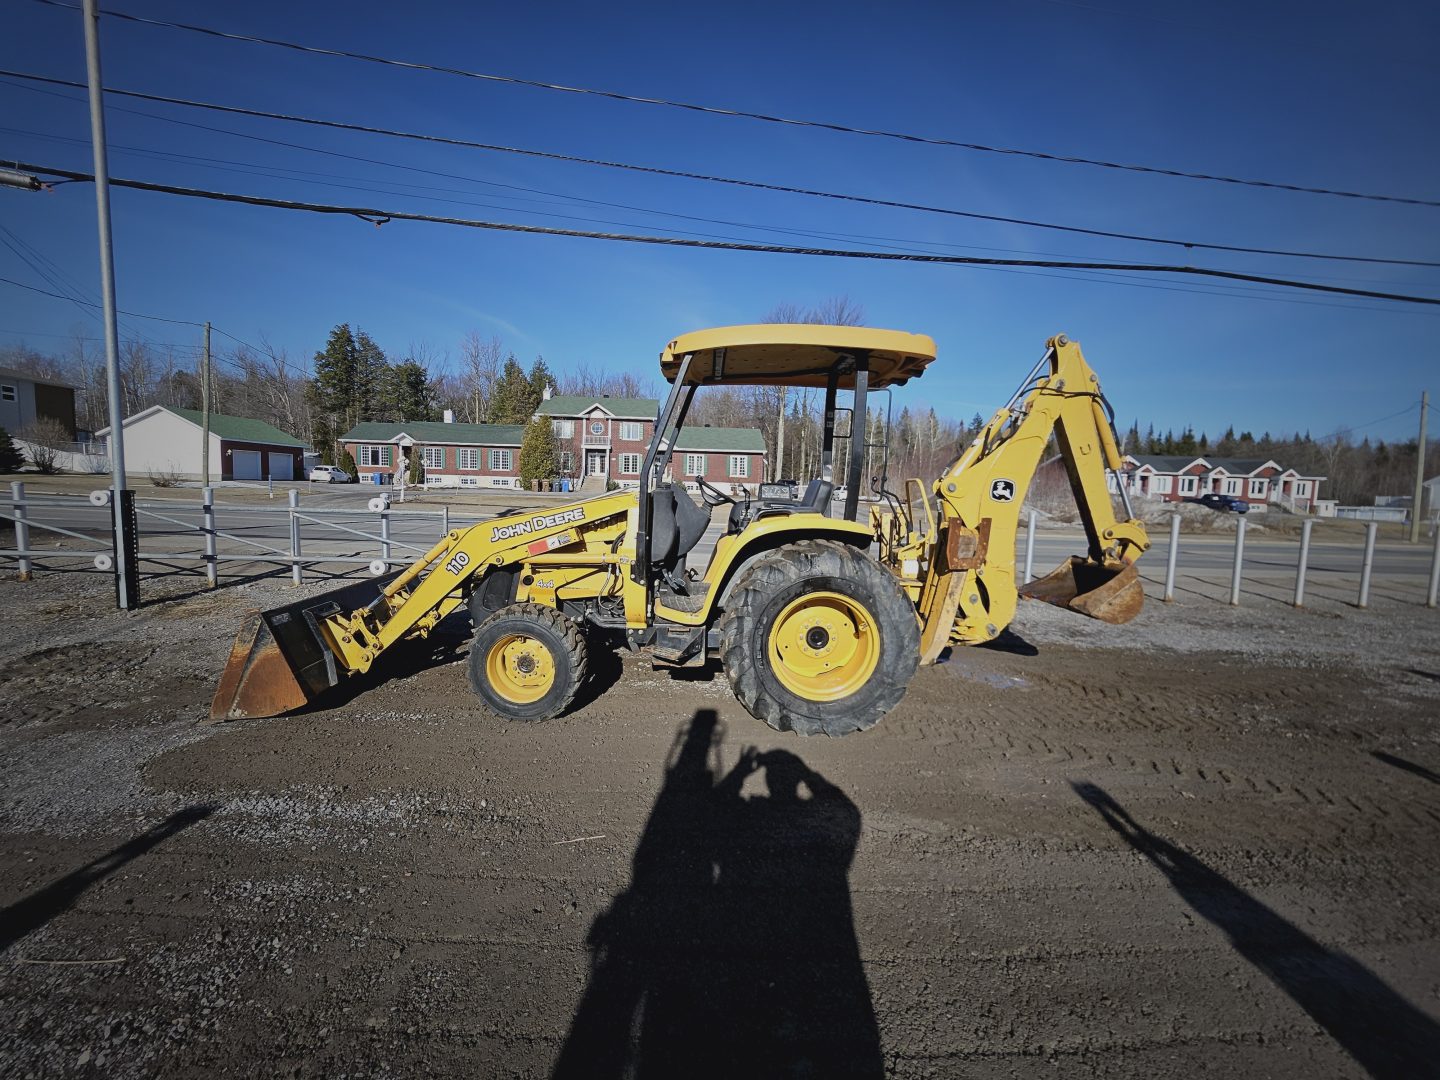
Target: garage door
[[246, 465], [282, 467]]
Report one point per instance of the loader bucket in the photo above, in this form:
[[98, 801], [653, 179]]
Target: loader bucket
[[280, 660], [1112, 594]]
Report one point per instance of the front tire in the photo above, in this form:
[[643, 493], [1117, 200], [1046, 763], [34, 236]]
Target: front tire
[[819, 639], [527, 662]]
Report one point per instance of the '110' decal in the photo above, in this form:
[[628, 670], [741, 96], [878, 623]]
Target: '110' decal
[[458, 562]]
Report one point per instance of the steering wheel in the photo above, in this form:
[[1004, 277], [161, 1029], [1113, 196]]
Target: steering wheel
[[711, 495]]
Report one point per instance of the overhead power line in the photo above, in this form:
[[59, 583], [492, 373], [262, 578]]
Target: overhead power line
[[709, 178], [158, 318], [380, 217], [745, 114]]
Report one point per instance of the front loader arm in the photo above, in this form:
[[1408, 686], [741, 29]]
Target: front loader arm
[[969, 593], [284, 658]]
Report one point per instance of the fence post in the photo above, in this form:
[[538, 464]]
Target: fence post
[[1239, 559], [1431, 596], [295, 572], [1305, 527], [445, 520], [207, 510], [1369, 561], [1171, 556], [22, 530], [385, 536], [1030, 549]]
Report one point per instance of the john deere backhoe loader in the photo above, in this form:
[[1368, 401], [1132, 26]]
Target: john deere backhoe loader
[[820, 620]]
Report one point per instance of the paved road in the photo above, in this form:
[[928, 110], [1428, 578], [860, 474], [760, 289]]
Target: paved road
[[331, 524]]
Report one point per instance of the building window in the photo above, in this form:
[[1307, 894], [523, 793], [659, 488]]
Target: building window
[[1257, 488], [500, 481], [499, 460], [1160, 485], [433, 457], [629, 464], [694, 464], [374, 456], [564, 429], [7, 392], [1187, 485], [1302, 489], [567, 462], [467, 458], [740, 465], [1232, 486], [631, 432], [469, 481]]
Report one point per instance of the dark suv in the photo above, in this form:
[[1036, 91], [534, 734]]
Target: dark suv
[[1222, 503]]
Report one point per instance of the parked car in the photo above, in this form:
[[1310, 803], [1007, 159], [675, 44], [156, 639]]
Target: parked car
[[330, 474], [1222, 503]]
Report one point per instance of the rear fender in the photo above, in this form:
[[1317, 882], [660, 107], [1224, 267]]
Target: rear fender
[[760, 537]]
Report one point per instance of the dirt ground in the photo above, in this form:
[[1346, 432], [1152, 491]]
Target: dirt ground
[[1201, 844]]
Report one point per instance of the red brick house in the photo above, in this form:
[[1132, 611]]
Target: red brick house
[[454, 455], [596, 437], [605, 436], [1259, 481]]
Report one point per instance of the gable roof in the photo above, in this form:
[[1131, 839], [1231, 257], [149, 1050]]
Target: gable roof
[[1167, 463], [1241, 466], [434, 431], [732, 440], [223, 426], [581, 405]]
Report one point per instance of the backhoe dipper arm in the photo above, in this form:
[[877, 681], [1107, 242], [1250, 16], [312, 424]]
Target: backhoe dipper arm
[[970, 592]]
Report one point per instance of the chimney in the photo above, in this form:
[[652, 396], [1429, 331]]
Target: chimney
[[545, 394], [449, 416]]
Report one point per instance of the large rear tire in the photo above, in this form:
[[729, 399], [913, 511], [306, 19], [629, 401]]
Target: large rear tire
[[527, 662], [819, 639]]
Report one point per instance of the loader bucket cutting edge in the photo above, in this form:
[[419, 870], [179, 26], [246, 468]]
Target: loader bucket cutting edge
[[1110, 594]]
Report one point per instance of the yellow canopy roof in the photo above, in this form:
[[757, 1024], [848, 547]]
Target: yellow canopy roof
[[800, 354]]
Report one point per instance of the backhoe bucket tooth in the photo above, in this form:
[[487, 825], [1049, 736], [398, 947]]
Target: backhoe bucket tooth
[[1112, 594], [280, 659]]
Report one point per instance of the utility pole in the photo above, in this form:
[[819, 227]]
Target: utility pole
[[122, 501], [780, 441], [1416, 509], [205, 408]]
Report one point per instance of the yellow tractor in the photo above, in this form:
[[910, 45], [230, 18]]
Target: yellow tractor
[[820, 620]]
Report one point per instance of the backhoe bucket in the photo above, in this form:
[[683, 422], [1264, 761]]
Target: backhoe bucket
[[280, 660], [1112, 594]]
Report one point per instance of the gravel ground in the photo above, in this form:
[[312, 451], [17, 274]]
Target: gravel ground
[[1202, 843]]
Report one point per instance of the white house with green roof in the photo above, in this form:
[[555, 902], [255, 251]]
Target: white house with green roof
[[163, 440], [607, 436]]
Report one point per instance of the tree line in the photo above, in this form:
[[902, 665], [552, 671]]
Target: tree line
[[352, 380]]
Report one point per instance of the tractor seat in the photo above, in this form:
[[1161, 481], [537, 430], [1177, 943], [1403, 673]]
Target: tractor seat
[[676, 526]]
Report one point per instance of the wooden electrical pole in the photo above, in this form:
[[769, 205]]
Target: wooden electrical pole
[[1416, 508]]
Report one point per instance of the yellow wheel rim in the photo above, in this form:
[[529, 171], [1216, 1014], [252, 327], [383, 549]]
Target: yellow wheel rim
[[824, 646], [520, 669]]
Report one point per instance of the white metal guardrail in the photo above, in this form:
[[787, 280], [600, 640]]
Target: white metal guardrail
[[209, 542], [216, 545]]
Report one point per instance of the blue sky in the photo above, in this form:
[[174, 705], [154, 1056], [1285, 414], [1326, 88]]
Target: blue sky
[[1332, 95]]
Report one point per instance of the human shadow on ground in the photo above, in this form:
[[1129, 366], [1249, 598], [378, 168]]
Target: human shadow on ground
[[733, 951], [1389, 1037], [1409, 766], [28, 915]]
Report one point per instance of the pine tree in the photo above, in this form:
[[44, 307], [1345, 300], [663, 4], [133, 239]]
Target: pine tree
[[417, 470], [408, 393], [345, 461], [538, 457], [11, 459], [510, 403], [540, 380]]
